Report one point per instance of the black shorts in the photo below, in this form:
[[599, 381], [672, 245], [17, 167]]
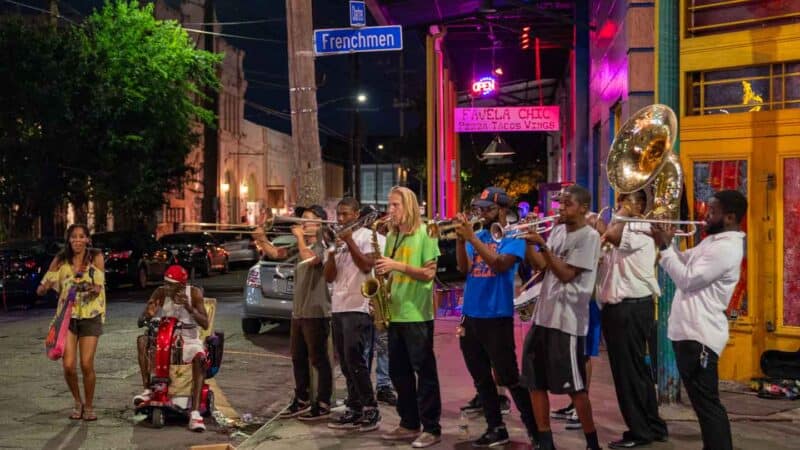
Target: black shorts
[[554, 361], [86, 327]]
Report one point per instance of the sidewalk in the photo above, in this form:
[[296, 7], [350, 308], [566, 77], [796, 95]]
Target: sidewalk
[[759, 424]]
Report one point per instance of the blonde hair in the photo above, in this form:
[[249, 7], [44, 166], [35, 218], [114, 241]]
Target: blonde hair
[[410, 208]]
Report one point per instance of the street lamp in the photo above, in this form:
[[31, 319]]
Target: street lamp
[[361, 98], [380, 146]]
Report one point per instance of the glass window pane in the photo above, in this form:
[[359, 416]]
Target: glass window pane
[[741, 72], [723, 18]]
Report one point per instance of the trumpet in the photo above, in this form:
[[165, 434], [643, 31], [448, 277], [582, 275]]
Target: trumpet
[[329, 235], [514, 231], [446, 229], [690, 224]]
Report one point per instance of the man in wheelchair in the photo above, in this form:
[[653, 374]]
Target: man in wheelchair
[[185, 303]]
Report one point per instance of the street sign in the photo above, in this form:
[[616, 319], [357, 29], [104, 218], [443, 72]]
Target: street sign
[[335, 41], [358, 13]]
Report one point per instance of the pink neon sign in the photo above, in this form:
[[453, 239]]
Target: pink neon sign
[[484, 86], [519, 118]]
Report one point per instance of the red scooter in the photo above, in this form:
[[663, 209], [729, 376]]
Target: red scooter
[[164, 345]]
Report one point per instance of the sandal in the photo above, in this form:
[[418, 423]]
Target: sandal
[[89, 415], [77, 413]]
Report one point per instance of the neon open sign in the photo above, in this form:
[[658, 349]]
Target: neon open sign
[[484, 86]]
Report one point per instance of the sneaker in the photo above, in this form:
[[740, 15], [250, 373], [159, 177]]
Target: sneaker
[[573, 423], [196, 422], [143, 397], [386, 395], [474, 406], [492, 438], [319, 411], [400, 434], [347, 421], [563, 413], [296, 408], [370, 421], [505, 404], [426, 440]]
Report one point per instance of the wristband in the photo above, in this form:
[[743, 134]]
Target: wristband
[[663, 247]]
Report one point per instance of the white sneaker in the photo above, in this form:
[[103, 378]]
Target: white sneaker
[[196, 422], [143, 397]]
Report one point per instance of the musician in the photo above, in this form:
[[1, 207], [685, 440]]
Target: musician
[[705, 278], [488, 322], [346, 268], [626, 292], [311, 312], [553, 353], [263, 245], [410, 258]]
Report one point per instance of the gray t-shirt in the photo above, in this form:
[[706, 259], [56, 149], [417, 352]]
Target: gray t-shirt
[[565, 306], [311, 299]]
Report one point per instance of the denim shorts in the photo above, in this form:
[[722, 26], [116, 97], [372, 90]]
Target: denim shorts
[[86, 327]]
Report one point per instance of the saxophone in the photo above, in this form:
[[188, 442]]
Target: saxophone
[[377, 288]]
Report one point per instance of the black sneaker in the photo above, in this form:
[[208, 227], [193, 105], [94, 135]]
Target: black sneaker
[[319, 411], [296, 408], [370, 420], [474, 406], [563, 413], [492, 438], [386, 395], [573, 423], [347, 421], [505, 404]]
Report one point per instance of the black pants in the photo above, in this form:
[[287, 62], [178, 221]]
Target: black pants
[[309, 340], [412, 368], [702, 385], [489, 344], [627, 327], [352, 335]]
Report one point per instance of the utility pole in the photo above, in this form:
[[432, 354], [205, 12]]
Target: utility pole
[[308, 171], [210, 137], [355, 135]]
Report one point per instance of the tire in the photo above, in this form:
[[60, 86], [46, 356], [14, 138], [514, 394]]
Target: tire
[[141, 278], [226, 266], [209, 404], [193, 273], [251, 326], [206, 270], [157, 418]]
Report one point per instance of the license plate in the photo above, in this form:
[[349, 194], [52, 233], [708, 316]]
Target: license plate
[[283, 286]]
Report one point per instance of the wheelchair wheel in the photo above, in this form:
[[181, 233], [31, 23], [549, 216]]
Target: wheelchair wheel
[[209, 404], [157, 418]]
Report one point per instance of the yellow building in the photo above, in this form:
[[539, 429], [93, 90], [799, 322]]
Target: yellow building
[[740, 129]]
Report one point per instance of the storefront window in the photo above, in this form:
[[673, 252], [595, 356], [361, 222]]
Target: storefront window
[[744, 89], [706, 17], [715, 176], [791, 245]]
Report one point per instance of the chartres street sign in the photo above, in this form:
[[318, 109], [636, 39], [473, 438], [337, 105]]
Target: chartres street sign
[[334, 41], [519, 118]]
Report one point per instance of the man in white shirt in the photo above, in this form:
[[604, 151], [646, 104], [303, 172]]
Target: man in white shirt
[[705, 278], [347, 266], [626, 285]]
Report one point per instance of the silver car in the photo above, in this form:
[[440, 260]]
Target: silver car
[[240, 247], [268, 290]]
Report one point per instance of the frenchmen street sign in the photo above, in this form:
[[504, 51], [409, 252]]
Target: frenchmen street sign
[[336, 41], [519, 118]]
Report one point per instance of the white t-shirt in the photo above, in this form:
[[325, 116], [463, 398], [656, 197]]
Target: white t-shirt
[[565, 306], [346, 288], [629, 271], [705, 277]]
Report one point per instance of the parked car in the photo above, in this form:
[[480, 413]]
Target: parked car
[[270, 285], [199, 252], [269, 288], [241, 247], [132, 257], [23, 263]]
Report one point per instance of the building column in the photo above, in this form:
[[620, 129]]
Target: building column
[[580, 93], [667, 93]]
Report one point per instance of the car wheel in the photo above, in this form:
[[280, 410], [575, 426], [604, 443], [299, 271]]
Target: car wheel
[[251, 326], [157, 418], [226, 266], [141, 278], [206, 267]]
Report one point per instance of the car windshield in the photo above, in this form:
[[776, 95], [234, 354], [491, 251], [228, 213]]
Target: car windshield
[[181, 238], [228, 237]]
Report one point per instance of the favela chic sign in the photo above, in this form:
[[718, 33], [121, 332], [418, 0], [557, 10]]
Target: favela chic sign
[[517, 118]]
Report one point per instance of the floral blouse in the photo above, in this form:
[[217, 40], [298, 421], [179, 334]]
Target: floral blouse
[[86, 304]]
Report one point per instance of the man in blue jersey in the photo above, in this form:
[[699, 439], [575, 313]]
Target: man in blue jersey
[[487, 328]]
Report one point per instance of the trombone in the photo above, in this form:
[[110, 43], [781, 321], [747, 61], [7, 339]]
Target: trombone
[[446, 229], [690, 224], [514, 231]]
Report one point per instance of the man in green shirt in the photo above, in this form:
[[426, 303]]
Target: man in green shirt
[[410, 259]]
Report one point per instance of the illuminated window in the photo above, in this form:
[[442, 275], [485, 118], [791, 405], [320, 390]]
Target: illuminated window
[[745, 89], [706, 17]]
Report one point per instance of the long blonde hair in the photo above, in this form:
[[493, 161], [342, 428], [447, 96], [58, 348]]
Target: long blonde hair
[[410, 208]]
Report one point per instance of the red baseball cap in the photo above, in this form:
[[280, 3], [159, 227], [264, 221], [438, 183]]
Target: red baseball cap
[[176, 274]]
